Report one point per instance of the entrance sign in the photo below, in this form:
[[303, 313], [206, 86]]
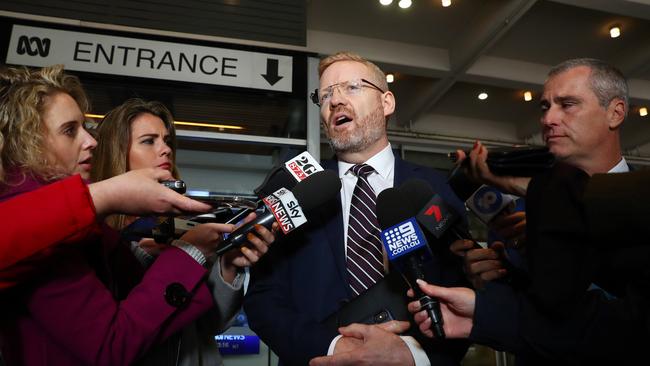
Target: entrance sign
[[79, 51]]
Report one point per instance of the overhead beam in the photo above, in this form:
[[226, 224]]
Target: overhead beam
[[404, 57], [483, 33], [631, 8]]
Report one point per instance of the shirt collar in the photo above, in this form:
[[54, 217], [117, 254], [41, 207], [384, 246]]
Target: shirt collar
[[621, 167], [383, 162]]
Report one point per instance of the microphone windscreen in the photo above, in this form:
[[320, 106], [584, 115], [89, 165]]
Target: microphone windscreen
[[277, 178], [392, 208], [463, 186], [418, 192], [317, 189]]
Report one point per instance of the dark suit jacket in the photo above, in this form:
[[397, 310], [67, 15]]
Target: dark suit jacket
[[554, 319], [92, 303], [618, 204], [303, 279]]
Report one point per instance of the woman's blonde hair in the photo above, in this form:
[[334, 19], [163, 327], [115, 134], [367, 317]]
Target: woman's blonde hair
[[24, 94], [111, 155]]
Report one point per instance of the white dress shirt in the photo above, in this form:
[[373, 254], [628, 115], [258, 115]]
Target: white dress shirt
[[382, 178], [621, 167]]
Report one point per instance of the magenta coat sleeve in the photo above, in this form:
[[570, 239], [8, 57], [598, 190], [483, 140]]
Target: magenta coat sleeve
[[64, 212], [74, 319]]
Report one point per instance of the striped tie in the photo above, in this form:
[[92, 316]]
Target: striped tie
[[364, 252]]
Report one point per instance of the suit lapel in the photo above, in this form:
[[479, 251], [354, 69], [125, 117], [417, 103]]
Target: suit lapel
[[334, 233], [334, 225], [402, 171]]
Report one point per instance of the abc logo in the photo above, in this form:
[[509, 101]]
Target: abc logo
[[33, 46], [487, 200]]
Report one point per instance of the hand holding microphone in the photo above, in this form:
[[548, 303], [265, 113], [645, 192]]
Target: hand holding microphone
[[477, 167], [290, 209], [286, 176], [407, 248], [445, 224], [457, 305]]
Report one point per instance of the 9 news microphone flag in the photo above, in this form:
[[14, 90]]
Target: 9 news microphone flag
[[406, 247]]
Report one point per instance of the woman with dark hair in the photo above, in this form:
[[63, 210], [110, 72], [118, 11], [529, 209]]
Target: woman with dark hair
[[140, 134]]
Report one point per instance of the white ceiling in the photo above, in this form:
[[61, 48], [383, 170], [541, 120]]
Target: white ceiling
[[443, 57]]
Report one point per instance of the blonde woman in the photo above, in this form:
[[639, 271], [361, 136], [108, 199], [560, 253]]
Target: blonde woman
[[80, 309]]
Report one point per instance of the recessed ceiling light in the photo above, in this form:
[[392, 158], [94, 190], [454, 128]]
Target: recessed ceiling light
[[446, 3], [643, 111], [483, 96], [390, 78], [528, 96], [385, 2], [615, 31], [404, 4]]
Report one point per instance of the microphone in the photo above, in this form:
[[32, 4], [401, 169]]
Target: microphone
[[286, 176], [289, 174], [438, 217], [433, 213], [445, 223], [289, 208], [487, 202], [519, 161], [407, 248]]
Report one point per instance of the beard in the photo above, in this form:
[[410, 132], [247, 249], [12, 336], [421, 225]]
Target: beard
[[365, 133]]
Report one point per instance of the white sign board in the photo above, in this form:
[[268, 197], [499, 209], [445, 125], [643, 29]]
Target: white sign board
[[35, 46]]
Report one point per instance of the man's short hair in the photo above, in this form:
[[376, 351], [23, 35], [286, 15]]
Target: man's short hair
[[378, 76], [607, 82]]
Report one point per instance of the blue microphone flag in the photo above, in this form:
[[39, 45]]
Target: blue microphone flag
[[403, 238]]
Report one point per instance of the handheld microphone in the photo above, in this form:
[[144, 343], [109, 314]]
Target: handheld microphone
[[407, 248], [520, 161], [433, 213], [441, 220], [286, 176], [487, 202], [289, 174], [290, 209]]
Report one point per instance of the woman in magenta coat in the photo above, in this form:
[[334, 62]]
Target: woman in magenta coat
[[89, 303]]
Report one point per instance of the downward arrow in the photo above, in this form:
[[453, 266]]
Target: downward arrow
[[272, 71]]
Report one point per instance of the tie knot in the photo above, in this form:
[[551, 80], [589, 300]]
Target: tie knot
[[362, 170]]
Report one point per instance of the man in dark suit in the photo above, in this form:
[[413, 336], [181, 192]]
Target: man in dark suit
[[618, 203], [309, 277], [562, 315], [554, 319]]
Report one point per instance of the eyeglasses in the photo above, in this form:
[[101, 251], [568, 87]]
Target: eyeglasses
[[349, 88]]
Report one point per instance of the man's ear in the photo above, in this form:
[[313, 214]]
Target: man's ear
[[388, 102], [616, 113]]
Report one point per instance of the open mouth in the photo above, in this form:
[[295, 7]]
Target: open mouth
[[341, 119], [86, 161]]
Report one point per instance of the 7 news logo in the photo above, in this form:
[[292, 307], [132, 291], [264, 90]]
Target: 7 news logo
[[434, 210], [437, 216], [33, 46]]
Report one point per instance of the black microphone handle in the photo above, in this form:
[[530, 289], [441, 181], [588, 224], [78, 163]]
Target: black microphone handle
[[432, 306], [238, 237], [428, 303], [243, 213]]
